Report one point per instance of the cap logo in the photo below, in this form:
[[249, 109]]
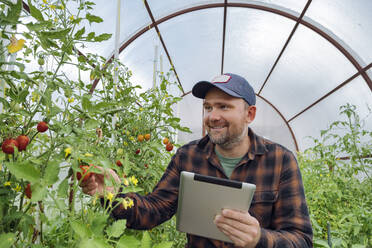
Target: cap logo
[[221, 79]]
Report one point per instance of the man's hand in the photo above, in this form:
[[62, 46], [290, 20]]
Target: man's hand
[[243, 229], [96, 182]]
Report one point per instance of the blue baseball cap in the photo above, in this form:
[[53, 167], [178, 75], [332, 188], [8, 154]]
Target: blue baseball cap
[[232, 84]]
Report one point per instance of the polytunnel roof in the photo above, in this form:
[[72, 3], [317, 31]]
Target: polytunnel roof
[[304, 59]]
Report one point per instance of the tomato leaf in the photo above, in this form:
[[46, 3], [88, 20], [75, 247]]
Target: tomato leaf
[[102, 37], [24, 170], [35, 12], [117, 228], [128, 242], [81, 229], [146, 240], [6, 239], [79, 33], [93, 18], [39, 191], [167, 244], [56, 34], [51, 172]]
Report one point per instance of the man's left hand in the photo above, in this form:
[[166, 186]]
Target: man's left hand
[[243, 229]]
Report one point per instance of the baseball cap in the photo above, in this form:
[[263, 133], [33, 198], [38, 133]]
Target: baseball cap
[[232, 84]]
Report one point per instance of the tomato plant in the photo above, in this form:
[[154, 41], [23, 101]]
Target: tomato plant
[[338, 191]]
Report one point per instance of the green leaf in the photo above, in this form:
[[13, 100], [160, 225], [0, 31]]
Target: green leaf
[[98, 224], [51, 172], [127, 241], [102, 37], [93, 18], [56, 34], [35, 12], [94, 243], [22, 96], [91, 35], [117, 228], [46, 43], [14, 12], [85, 102], [63, 189], [79, 33], [24, 170], [5, 103], [37, 26], [146, 240], [81, 229], [6, 239], [167, 244], [39, 191], [91, 124]]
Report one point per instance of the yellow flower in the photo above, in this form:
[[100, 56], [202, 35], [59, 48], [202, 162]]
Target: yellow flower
[[72, 18], [45, 1], [18, 188], [35, 96], [141, 109], [55, 19], [126, 182], [132, 138], [71, 100], [15, 45], [125, 143], [110, 196], [7, 183], [134, 180], [95, 200], [88, 155], [68, 151], [320, 175], [127, 203], [62, 7], [53, 7]]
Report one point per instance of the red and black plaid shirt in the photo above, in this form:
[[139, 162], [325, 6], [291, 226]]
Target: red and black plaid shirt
[[278, 203]]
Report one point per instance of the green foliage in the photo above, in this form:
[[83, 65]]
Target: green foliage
[[85, 128], [338, 191]]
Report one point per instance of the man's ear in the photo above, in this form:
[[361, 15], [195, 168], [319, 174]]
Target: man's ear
[[251, 112]]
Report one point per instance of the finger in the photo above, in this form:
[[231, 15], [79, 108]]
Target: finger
[[238, 215], [237, 239], [221, 220]]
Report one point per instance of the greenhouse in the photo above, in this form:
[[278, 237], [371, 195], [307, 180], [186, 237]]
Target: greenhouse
[[99, 101]]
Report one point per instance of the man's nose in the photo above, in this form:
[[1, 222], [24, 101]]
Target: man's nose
[[214, 115]]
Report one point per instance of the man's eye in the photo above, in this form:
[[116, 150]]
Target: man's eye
[[224, 107], [207, 108]]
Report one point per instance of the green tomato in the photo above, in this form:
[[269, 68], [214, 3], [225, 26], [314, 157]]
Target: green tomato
[[120, 151], [41, 61]]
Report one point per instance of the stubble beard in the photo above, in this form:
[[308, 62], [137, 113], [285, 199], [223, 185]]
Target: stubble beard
[[228, 141]]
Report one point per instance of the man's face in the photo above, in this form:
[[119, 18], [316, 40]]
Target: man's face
[[226, 118]]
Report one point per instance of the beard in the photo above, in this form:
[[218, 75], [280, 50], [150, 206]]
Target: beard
[[229, 138]]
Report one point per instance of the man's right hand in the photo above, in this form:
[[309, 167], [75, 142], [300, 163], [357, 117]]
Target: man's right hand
[[95, 184]]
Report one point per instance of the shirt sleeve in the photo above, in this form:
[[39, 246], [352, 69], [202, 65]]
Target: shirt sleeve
[[155, 208], [291, 226]]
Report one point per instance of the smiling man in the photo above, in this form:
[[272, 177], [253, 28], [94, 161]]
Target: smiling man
[[278, 216]]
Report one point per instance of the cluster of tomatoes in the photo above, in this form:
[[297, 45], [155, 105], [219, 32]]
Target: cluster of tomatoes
[[168, 144], [22, 141]]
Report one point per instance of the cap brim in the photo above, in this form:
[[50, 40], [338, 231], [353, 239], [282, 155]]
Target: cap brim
[[201, 88]]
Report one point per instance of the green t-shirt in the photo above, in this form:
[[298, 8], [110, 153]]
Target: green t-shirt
[[228, 164]]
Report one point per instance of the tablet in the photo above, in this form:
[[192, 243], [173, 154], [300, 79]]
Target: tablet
[[201, 198]]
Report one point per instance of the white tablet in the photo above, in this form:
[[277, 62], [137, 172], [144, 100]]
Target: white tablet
[[201, 197]]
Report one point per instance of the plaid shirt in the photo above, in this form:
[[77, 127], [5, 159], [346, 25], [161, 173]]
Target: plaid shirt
[[278, 203]]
